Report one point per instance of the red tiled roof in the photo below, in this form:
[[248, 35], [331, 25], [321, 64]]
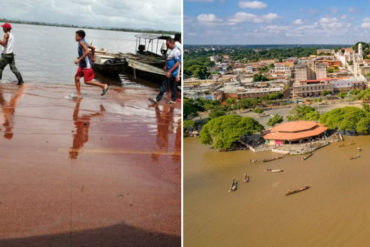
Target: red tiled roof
[[292, 131], [294, 126]]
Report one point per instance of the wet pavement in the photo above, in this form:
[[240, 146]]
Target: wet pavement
[[101, 171]]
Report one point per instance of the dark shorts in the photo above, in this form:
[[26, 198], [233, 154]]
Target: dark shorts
[[87, 74]]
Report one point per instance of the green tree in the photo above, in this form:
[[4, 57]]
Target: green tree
[[189, 109], [258, 110], [275, 120], [342, 94], [217, 112], [347, 118], [188, 125], [325, 92], [222, 132], [366, 107], [300, 112]]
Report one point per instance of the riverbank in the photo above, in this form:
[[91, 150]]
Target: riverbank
[[99, 172], [332, 212]]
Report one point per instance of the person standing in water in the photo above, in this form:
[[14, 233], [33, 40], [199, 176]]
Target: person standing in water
[[7, 57], [85, 63]]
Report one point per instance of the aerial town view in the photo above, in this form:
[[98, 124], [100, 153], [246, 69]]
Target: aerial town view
[[85, 158], [276, 123]]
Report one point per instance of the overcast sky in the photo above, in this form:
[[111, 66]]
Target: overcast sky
[[151, 14], [276, 21]]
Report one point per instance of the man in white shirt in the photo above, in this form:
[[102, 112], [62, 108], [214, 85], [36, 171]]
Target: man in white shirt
[[7, 57]]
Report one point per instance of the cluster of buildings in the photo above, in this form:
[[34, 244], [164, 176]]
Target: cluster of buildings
[[329, 71]]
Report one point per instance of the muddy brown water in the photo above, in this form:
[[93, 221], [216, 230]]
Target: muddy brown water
[[335, 211]]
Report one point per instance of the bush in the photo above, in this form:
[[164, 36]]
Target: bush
[[302, 113], [258, 110], [275, 120]]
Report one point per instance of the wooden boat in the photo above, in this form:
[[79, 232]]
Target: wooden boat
[[355, 157], [246, 178], [290, 192], [109, 64], [147, 63], [268, 169], [234, 186], [307, 156], [272, 159], [253, 161]]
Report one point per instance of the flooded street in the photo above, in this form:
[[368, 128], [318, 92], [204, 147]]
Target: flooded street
[[333, 212], [97, 172]]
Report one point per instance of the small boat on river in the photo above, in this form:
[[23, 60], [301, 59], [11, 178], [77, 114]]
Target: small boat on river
[[355, 157], [268, 169], [272, 159], [290, 192], [307, 156], [246, 178], [234, 186]]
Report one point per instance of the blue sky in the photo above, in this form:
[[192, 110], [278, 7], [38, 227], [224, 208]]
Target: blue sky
[[276, 21]]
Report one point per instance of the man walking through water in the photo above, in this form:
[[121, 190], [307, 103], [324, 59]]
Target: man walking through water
[[85, 64], [7, 57], [172, 69]]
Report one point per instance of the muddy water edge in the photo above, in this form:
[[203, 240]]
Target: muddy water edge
[[335, 211]]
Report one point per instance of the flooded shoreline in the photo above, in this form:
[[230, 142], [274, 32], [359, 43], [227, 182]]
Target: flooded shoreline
[[334, 211], [91, 170]]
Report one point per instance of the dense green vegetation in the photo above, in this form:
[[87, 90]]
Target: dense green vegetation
[[222, 132], [258, 110], [307, 113], [361, 94], [275, 120], [188, 124], [347, 118], [259, 77]]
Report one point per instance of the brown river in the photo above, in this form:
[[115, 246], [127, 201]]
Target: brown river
[[335, 211]]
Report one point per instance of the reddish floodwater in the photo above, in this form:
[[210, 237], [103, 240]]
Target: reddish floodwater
[[103, 171], [334, 212]]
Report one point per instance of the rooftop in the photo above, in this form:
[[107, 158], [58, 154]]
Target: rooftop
[[295, 130]]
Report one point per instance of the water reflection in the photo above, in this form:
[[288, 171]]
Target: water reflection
[[82, 124], [176, 157], [165, 122], [8, 109]]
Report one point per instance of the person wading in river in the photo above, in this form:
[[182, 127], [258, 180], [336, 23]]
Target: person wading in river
[[172, 69], [85, 63], [7, 57]]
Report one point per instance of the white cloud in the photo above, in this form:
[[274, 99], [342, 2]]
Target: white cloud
[[366, 22], [252, 5], [328, 23], [298, 22], [208, 19], [240, 17]]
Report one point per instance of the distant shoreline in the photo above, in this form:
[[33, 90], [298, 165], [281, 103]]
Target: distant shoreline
[[88, 27], [264, 46]]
